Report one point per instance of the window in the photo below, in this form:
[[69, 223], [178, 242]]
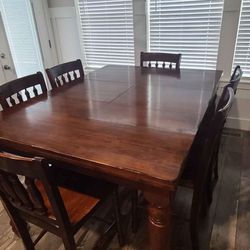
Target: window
[[189, 27], [107, 31], [21, 33], [242, 51]]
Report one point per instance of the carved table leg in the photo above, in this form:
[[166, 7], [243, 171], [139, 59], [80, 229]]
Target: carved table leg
[[159, 220]]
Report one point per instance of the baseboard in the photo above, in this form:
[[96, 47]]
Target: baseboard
[[238, 123]]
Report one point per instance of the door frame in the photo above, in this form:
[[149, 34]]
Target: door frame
[[44, 32]]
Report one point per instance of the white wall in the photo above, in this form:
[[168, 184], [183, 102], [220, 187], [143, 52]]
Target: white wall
[[60, 3]]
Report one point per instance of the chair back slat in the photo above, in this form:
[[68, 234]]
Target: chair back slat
[[20, 191], [160, 59], [12, 101], [19, 97], [27, 94], [63, 79], [20, 88], [235, 78], [69, 77], [35, 91], [35, 196], [64, 72], [9, 190], [57, 81]]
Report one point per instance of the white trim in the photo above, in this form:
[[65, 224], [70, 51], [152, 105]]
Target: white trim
[[140, 29], [238, 123], [243, 85], [228, 36], [45, 34]]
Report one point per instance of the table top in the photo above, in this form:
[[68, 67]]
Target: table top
[[131, 123]]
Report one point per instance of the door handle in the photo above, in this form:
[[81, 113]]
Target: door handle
[[6, 67]]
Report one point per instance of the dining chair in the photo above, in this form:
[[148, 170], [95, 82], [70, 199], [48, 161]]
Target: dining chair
[[70, 72], [41, 201], [149, 57], [199, 181], [22, 89], [234, 82], [197, 166]]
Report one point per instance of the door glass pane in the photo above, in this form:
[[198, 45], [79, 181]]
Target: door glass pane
[[21, 33]]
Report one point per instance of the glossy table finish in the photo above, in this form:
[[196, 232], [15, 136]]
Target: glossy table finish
[[131, 125]]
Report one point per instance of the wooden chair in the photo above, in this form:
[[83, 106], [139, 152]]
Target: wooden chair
[[234, 82], [40, 201], [149, 57], [70, 72], [201, 171], [198, 167], [21, 89]]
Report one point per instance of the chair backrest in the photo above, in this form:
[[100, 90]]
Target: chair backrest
[[207, 135], [235, 78], [70, 72], [214, 130], [21, 89], [148, 58], [24, 197], [204, 168], [190, 167]]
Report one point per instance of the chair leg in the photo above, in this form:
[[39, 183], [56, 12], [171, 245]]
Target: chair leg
[[134, 204], [216, 159], [69, 241], [194, 235], [118, 219], [194, 220], [209, 188], [205, 204], [23, 231], [213, 177]]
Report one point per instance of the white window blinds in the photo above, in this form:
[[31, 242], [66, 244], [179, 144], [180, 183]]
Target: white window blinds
[[242, 52], [107, 31], [189, 27]]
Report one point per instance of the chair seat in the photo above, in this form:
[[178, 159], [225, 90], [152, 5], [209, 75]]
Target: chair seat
[[78, 205]]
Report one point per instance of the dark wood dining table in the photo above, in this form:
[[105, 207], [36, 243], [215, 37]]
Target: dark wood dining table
[[130, 125]]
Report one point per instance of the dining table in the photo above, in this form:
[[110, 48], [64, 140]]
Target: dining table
[[129, 125]]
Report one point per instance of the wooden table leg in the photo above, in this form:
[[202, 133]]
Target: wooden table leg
[[159, 220]]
